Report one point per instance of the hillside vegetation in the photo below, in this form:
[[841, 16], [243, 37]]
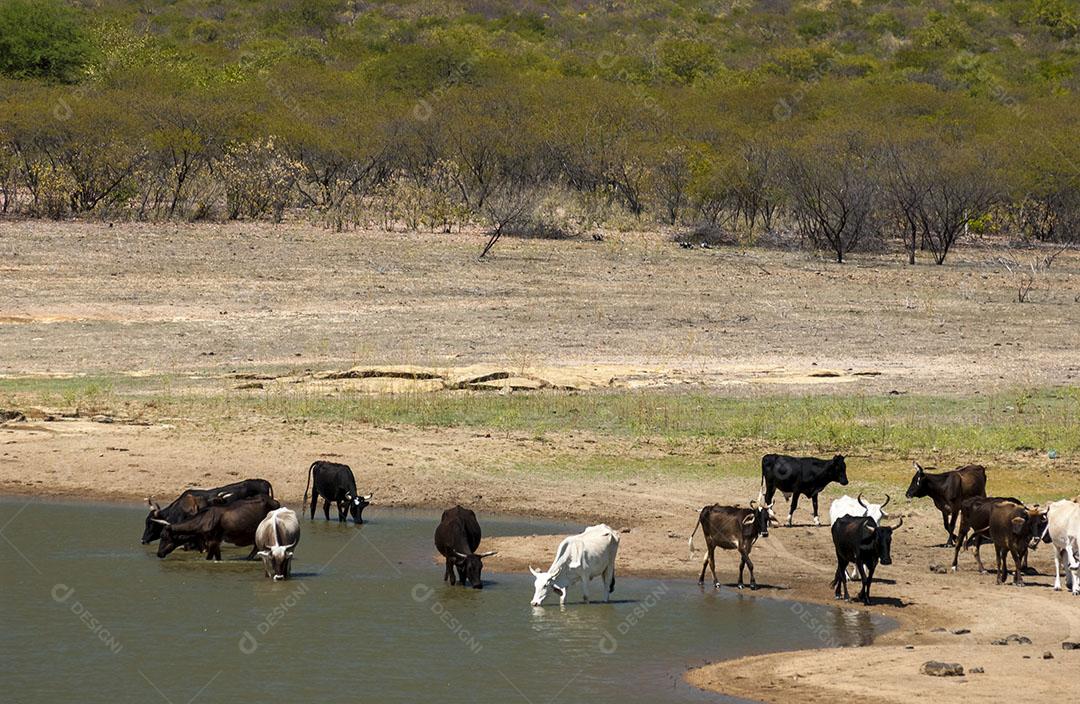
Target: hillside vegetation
[[839, 124]]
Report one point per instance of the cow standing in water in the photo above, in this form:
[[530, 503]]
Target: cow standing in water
[[948, 491], [456, 538], [579, 558], [336, 483], [275, 539], [191, 501], [793, 476], [235, 523]]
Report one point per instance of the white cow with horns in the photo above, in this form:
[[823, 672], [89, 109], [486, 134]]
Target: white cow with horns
[[1063, 531], [580, 557], [275, 539], [847, 506]]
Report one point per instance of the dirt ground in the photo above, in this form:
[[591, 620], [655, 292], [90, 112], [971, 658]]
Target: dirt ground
[[80, 298], [631, 311]]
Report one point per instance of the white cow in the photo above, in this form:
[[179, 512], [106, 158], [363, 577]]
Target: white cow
[[847, 506], [275, 539], [1063, 531], [580, 557]]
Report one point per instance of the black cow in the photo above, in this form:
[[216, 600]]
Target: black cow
[[800, 475], [191, 501], [336, 483], [456, 539], [859, 539], [235, 523], [731, 528], [975, 517], [948, 491]]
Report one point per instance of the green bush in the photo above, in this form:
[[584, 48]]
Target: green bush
[[41, 39]]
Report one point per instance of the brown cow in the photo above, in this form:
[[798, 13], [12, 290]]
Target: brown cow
[[948, 490], [1014, 528], [731, 528], [235, 523], [975, 517]]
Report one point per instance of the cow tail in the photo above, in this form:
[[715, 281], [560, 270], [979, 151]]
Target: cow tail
[[308, 484], [690, 541], [271, 489], [611, 587]]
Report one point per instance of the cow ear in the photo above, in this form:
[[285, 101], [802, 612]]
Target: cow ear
[[263, 553], [1018, 524], [918, 468], [750, 518]]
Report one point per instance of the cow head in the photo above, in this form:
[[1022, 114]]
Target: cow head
[[880, 539], [838, 470], [917, 487], [357, 504], [277, 561], [759, 519], [543, 585], [167, 542], [1029, 525], [471, 565], [152, 531]]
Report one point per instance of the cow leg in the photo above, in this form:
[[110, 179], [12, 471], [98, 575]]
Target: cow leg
[[712, 566], [1058, 554], [1002, 564], [341, 511], [949, 519], [1018, 561], [749, 564], [213, 550], [813, 500], [585, 586], [978, 555], [862, 579], [253, 554], [704, 566], [1074, 565], [869, 580], [608, 577], [794, 505], [314, 503], [959, 543], [326, 507], [448, 574]]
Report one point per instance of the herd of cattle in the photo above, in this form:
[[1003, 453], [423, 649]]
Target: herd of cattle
[[246, 513]]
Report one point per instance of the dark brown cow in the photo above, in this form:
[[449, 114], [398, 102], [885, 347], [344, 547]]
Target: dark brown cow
[[456, 539], [235, 523], [731, 528], [948, 490], [194, 500], [975, 517], [1014, 528]]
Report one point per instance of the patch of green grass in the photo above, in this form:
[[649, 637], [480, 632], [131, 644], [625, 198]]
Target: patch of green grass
[[1002, 423]]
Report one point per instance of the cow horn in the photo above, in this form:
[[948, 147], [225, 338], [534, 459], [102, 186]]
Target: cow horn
[[488, 553], [918, 467], [368, 497], [861, 503], [158, 520], [870, 528], [748, 520], [535, 572], [460, 554], [223, 496], [753, 504], [897, 526], [149, 502], [290, 546], [887, 498]]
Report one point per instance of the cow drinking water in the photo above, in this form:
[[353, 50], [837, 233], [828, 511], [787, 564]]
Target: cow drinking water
[[235, 523], [275, 538], [456, 539], [191, 501], [335, 483], [579, 558]]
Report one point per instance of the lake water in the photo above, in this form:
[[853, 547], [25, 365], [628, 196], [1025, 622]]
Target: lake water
[[90, 615]]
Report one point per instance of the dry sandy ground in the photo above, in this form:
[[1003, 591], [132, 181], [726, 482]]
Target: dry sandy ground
[[438, 467], [134, 298]]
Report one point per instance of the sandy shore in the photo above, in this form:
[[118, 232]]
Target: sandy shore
[[438, 467]]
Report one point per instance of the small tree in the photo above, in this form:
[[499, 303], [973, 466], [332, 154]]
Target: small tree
[[41, 39], [835, 192]]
